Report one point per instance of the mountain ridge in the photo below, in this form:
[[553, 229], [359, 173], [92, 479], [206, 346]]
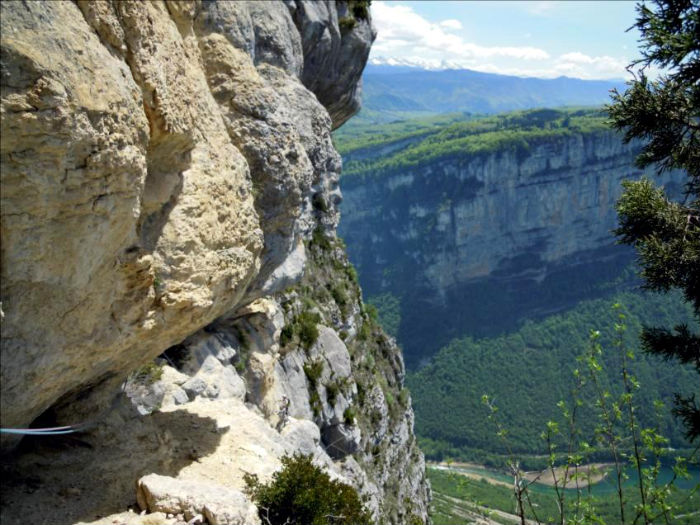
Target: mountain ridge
[[398, 92]]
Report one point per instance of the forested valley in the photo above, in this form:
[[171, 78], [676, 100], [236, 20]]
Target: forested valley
[[487, 241]]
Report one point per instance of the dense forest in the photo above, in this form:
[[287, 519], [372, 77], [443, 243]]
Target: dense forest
[[490, 307], [528, 371]]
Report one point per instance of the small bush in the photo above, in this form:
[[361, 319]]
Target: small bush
[[148, 373], [414, 519], [389, 399], [318, 201], [241, 365], [351, 273], [303, 494], [244, 350], [243, 338], [365, 332], [303, 326], [349, 416], [360, 393], [315, 402], [332, 391], [287, 334], [307, 302], [360, 8], [308, 331], [340, 296], [347, 23], [313, 372], [404, 396], [372, 312], [319, 239], [369, 361]]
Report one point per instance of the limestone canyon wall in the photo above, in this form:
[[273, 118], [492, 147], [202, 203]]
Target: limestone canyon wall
[[468, 241]]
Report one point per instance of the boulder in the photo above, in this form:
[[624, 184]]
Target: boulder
[[334, 351], [148, 395], [302, 436], [218, 504], [214, 380]]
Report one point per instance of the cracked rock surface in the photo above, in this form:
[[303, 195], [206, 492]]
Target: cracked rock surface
[[170, 188]]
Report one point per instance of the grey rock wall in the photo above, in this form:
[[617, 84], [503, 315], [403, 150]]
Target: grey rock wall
[[166, 168], [155, 174]]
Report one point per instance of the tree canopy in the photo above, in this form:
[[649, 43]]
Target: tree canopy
[[665, 114]]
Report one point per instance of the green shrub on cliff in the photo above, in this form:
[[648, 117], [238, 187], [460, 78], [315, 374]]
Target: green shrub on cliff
[[313, 371], [360, 8], [304, 328], [148, 373], [303, 494]]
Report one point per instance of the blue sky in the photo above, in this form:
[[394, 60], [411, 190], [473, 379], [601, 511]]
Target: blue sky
[[537, 38]]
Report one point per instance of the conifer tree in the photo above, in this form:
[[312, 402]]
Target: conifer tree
[[665, 114]]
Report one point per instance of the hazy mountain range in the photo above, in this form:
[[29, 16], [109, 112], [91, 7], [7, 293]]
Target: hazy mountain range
[[396, 92]]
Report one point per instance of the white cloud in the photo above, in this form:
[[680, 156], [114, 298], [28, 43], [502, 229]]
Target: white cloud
[[423, 63], [577, 58], [407, 38], [436, 64], [403, 31], [551, 69], [451, 24], [539, 8], [584, 66]]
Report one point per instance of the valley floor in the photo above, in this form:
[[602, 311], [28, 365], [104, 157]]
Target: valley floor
[[449, 511], [471, 493]]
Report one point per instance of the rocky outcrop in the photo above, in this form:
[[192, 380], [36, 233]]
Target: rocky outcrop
[[170, 496], [170, 188], [332, 56], [155, 172], [469, 241]]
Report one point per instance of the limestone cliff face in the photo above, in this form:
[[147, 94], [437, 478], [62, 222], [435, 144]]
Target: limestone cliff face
[[166, 167], [455, 233], [556, 201]]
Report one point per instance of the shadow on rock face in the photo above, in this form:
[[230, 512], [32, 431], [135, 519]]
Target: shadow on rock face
[[64, 480]]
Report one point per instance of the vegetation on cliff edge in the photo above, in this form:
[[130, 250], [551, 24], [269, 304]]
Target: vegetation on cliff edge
[[418, 143], [303, 494]]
